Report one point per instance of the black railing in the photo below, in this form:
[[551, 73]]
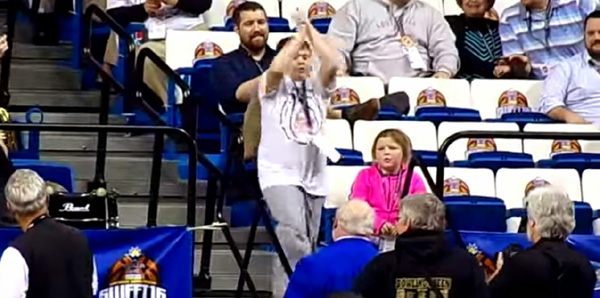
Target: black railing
[[7, 58], [160, 132], [88, 19], [441, 154]]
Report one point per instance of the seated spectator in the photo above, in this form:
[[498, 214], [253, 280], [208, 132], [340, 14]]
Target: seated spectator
[[124, 12], [423, 264], [572, 90], [333, 269], [163, 15], [381, 184], [538, 34], [549, 268], [237, 74], [477, 39], [395, 38]]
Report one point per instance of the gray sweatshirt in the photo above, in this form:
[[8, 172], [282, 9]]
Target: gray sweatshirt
[[369, 38]]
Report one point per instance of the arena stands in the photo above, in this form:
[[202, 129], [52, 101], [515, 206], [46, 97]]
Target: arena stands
[[40, 78]]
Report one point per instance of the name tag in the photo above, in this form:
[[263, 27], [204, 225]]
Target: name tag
[[157, 29]]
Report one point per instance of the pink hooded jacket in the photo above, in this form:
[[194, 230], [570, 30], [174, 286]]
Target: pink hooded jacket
[[382, 193]]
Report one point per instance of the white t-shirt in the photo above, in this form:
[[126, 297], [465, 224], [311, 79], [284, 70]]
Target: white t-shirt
[[287, 153]]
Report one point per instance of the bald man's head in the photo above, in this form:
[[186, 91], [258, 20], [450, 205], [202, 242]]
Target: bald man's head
[[354, 218]]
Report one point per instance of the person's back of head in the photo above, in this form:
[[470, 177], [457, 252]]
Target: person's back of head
[[421, 213], [25, 194], [354, 218], [550, 213]]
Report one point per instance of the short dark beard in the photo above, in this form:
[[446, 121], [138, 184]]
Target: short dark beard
[[595, 55]]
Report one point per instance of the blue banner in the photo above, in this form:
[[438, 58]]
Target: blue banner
[[491, 243], [148, 263]]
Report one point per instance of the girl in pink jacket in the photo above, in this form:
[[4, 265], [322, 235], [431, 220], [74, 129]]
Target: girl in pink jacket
[[381, 184]]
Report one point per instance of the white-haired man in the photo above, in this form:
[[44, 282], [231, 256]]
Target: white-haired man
[[422, 264], [334, 268], [549, 268], [49, 260]]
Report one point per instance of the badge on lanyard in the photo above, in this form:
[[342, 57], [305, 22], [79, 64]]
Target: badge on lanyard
[[157, 29], [410, 48]]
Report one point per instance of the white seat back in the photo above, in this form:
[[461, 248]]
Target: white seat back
[[589, 185], [451, 8], [352, 90], [460, 148], [338, 132], [512, 184], [543, 149], [454, 92], [182, 47], [340, 179], [467, 181], [488, 95], [421, 133], [221, 10], [312, 9]]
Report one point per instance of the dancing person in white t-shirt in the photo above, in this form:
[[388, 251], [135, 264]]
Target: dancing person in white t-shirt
[[292, 155]]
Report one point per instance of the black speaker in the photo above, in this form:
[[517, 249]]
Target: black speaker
[[95, 210]]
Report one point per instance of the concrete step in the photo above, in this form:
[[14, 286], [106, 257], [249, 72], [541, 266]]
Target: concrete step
[[88, 142], [134, 212], [31, 51], [135, 188], [224, 270], [118, 168], [50, 98], [72, 118], [44, 77]]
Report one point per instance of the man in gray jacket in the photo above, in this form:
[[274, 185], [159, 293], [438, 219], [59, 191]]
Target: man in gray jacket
[[395, 38]]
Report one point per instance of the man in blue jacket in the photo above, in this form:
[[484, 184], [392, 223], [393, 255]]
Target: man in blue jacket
[[334, 268]]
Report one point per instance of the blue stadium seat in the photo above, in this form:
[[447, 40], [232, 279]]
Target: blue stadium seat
[[476, 213], [527, 117], [441, 114], [578, 161], [49, 171], [322, 25], [350, 157], [584, 217], [496, 160], [429, 158]]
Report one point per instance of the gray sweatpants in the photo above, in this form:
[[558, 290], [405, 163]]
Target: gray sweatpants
[[298, 215]]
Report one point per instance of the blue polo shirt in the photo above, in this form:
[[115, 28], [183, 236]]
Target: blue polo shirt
[[231, 70]]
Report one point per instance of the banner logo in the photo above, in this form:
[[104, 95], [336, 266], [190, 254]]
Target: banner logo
[[456, 187], [320, 10], [512, 101], [565, 146], [430, 98], [207, 50], [480, 145], [535, 183], [231, 7], [344, 97], [134, 276]]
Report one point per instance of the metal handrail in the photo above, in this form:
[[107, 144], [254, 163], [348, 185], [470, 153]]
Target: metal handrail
[[90, 12], [439, 190], [192, 150]]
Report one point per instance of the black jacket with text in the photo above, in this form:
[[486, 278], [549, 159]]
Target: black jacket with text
[[549, 269], [403, 272]]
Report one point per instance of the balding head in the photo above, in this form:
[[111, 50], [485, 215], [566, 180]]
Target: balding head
[[354, 218]]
